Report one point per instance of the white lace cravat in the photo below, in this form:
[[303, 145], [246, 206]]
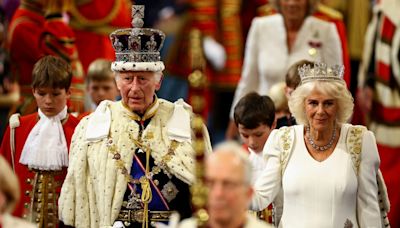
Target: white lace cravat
[[46, 147]]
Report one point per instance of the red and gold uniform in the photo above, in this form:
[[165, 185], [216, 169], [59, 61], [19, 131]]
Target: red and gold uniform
[[92, 22], [380, 72], [39, 189], [31, 36], [220, 20]]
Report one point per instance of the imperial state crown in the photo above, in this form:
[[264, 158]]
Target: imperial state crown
[[137, 48]]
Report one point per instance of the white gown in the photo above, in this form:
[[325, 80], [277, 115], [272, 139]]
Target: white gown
[[321, 194]]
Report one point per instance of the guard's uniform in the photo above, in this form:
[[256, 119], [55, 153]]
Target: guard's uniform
[[32, 36], [380, 71], [39, 188]]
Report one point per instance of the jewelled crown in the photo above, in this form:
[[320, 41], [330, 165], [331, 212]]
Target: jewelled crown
[[137, 48], [320, 71]]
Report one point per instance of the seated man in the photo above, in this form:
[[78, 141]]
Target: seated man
[[132, 161], [228, 176]]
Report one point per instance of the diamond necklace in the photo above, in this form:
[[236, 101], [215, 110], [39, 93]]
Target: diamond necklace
[[320, 148]]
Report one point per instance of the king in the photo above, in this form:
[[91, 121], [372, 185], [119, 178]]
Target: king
[[132, 161]]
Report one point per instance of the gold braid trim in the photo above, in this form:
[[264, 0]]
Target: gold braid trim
[[286, 145], [95, 22]]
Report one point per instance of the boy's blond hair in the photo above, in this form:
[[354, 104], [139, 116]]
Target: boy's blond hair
[[100, 70]]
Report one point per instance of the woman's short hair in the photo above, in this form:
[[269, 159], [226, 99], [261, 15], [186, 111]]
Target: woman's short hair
[[337, 90], [9, 186], [312, 5]]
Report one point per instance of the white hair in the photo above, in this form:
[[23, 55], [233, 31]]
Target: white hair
[[337, 90], [157, 75], [234, 148]]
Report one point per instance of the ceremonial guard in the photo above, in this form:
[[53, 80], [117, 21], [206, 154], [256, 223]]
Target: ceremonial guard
[[36, 145], [92, 21], [38, 29], [379, 94]]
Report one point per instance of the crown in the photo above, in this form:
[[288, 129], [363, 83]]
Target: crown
[[320, 71], [137, 48]]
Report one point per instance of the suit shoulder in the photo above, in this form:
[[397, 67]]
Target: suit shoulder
[[328, 13], [269, 19], [29, 117]]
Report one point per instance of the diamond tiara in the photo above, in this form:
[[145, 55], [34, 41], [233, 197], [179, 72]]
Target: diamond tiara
[[321, 72]]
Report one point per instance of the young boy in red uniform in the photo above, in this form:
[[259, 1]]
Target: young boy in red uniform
[[37, 145]]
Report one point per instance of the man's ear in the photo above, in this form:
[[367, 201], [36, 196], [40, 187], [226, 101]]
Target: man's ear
[[250, 192], [117, 81], [158, 85]]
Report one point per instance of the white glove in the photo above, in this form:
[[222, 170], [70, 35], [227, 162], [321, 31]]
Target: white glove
[[214, 52]]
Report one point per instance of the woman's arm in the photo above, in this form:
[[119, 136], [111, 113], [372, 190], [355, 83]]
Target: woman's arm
[[368, 212], [269, 183]]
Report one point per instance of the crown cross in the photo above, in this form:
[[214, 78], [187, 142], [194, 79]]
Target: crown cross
[[137, 16], [320, 71]]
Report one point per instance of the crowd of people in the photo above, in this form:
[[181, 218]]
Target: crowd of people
[[88, 140]]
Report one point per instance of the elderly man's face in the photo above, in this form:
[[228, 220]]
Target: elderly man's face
[[138, 88], [229, 194]]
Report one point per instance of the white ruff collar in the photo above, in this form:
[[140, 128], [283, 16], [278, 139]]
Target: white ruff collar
[[46, 147]]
